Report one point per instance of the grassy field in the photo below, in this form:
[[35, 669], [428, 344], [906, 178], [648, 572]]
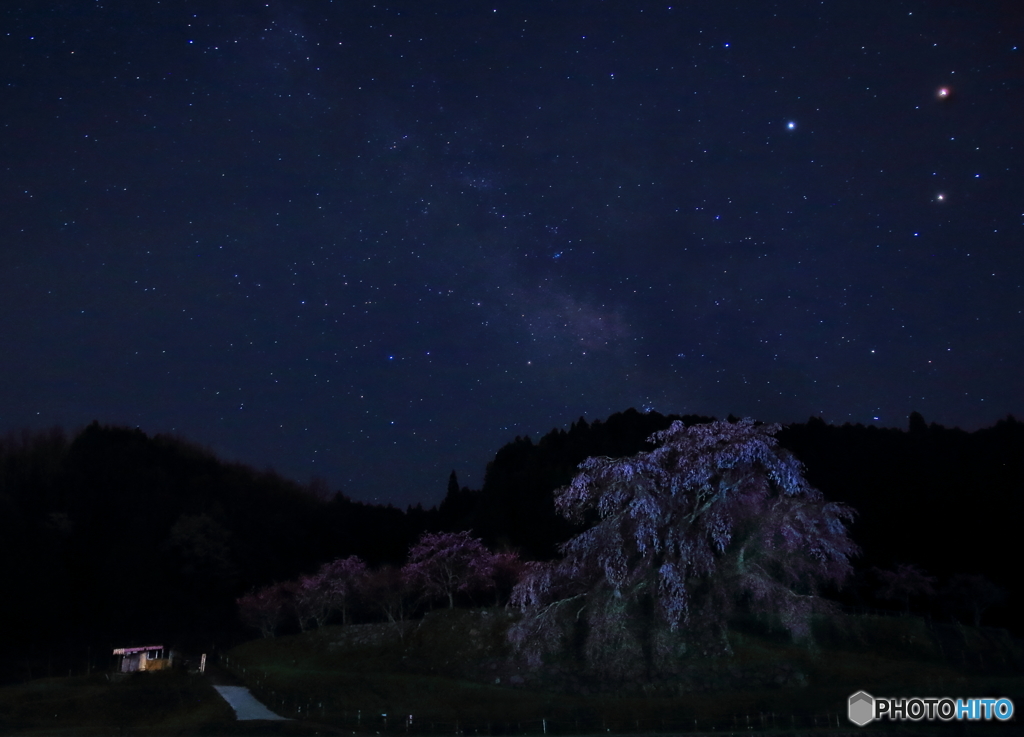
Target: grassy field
[[161, 703], [151, 703], [451, 674]]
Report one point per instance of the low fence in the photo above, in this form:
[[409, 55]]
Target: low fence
[[410, 724], [324, 709]]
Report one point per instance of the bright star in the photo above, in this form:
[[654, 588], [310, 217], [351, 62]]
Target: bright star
[[791, 125]]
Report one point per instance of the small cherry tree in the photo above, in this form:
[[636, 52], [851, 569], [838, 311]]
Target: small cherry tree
[[345, 579], [313, 600], [715, 519], [265, 609], [443, 564]]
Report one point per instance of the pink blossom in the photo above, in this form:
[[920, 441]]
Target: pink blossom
[[442, 564]]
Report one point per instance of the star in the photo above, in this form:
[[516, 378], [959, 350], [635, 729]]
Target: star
[[441, 210]]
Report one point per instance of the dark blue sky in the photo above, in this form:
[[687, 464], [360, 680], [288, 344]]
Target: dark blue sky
[[375, 241]]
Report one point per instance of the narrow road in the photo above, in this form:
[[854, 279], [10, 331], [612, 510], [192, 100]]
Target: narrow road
[[245, 704], [238, 696]]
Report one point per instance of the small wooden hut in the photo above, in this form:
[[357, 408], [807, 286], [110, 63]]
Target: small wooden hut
[[150, 657]]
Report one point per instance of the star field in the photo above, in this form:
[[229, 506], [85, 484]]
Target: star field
[[373, 242]]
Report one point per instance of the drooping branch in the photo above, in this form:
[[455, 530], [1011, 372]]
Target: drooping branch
[[715, 517]]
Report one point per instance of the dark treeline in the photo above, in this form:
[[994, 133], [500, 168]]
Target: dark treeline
[[515, 509], [113, 537], [116, 537]]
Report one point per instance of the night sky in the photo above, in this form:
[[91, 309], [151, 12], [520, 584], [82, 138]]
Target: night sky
[[375, 242]]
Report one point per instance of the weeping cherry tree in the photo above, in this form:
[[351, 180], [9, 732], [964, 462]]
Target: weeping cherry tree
[[716, 520]]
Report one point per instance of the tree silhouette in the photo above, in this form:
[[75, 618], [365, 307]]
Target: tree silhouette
[[973, 593], [389, 591], [904, 583], [202, 549], [506, 570], [715, 519]]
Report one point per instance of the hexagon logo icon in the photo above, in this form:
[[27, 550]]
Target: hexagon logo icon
[[861, 708]]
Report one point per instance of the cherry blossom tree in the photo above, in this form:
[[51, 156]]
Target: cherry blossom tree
[[716, 519], [313, 600], [333, 588], [345, 579], [443, 564], [265, 609]]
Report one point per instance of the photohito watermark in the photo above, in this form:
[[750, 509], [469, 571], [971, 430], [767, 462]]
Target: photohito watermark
[[863, 708]]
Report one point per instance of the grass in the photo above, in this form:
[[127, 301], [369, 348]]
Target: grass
[[161, 703], [452, 672], [151, 703], [443, 672]]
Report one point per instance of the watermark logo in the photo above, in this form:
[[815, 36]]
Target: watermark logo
[[863, 708]]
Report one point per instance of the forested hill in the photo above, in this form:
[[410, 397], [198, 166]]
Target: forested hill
[[113, 536], [947, 500]]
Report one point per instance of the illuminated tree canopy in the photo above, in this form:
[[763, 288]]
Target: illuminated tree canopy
[[717, 519]]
